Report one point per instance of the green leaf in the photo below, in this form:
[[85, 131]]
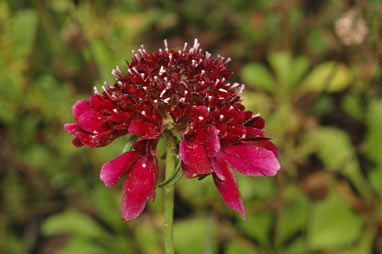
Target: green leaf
[[364, 246], [148, 239], [333, 146], [175, 177], [333, 224], [23, 32], [80, 244], [258, 187], [375, 177], [240, 246], [72, 222], [258, 76], [373, 140], [129, 144], [337, 153], [292, 218], [196, 235], [298, 246], [258, 225], [329, 77], [351, 104], [299, 67], [281, 63]]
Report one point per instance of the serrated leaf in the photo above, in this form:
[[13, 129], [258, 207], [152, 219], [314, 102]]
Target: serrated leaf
[[333, 224], [257, 76]]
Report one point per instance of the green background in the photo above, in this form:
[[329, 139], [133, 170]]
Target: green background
[[322, 101]]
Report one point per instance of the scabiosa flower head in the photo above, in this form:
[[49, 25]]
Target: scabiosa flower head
[[185, 92]]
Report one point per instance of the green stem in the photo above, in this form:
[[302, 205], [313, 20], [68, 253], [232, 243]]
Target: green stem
[[169, 196]]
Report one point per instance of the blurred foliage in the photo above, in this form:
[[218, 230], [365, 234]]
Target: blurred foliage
[[322, 101]]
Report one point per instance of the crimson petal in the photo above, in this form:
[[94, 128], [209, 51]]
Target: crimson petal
[[143, 128], [251, 160], [195, 160], [138, 187], [91, 121], [228, 188], [212, 142], [267, 145], [113, 170], [80, 107]]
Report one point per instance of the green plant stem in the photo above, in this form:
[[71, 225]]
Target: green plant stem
[[169, 196]]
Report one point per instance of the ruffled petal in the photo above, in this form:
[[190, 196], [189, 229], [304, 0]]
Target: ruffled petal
[[256, 122], [143, 128], [267, 145], [98, 140], [80, 107], [71, 127], [195, 160], [228, 188], [254, 133], [113, 170], [251, 160], [217, 170], [138, 187], [91, 121], [212, 142]]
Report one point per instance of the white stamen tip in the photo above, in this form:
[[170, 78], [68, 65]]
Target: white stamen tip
[[165, 45], [161, 71]]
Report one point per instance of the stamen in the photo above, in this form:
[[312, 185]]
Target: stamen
[[165, 45], [161, 71]]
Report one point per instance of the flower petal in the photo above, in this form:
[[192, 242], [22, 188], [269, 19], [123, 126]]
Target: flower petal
[[251, 160], [254, 133], [80, 107], [267, 145], [228, 188], [256, 122], [91, 121], [71, 127], [113, 170], [212, 142], [195, 160], [98, 140], [143, 128], [138, 187], [217, 170]]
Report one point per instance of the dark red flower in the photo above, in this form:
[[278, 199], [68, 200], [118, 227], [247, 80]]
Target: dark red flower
[[184, 91]]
